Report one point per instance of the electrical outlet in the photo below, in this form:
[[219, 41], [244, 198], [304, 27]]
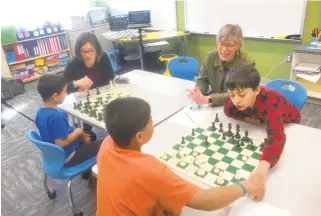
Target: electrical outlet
[[289, 58]]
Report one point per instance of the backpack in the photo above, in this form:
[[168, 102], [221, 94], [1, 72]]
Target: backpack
[[11, 88]]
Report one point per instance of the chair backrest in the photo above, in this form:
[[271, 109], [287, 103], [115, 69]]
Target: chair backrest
[[183, 67], [293, 91], [53, 156]]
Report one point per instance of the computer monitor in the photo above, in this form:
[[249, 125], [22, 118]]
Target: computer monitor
[[139, 18]]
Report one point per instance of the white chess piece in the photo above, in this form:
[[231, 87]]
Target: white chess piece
[[216, 169], [220, 179], [201, 171], [195, 153], [182, 163], [244, 158], [238, 175], [164, 156]]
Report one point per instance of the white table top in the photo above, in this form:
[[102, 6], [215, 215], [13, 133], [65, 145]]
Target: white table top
[[166, 95], [294, 184]]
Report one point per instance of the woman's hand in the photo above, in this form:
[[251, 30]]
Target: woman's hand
[[197, 96], [83, 84]]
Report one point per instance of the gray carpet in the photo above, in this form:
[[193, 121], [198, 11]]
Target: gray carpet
[[22, 192]]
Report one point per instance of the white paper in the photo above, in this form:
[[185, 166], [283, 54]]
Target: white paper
[[160, 43], [308, 67], [247, 207], [311, 78]]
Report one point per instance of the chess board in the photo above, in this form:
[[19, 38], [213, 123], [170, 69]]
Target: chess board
[[93, 107], [207, 157]]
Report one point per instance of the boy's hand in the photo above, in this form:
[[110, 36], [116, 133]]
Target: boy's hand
[[197, 96], [85, 138], [78, 132], [254, 187], [260, 174]]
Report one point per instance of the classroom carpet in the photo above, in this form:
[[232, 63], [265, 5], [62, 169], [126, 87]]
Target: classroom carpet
[[22, 192]]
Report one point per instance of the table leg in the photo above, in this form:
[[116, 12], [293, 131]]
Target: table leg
[[141, 56], [182, 47], [115, 56]]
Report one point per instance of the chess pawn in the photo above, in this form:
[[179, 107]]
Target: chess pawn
[[164, 156], [216, 169], [238, 175], [220, 179]]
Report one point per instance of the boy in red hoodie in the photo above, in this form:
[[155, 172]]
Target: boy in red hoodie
[[249, 102]]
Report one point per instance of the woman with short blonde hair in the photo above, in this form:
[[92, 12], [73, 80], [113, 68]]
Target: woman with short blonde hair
[[217, 64]]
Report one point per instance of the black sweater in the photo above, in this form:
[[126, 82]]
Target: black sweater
[[76, 69]]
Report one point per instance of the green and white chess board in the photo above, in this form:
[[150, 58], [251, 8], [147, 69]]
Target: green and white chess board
[[207, 157], [94, 110]]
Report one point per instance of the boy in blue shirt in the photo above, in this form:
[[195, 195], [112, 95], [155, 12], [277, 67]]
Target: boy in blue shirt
[[53, 124]]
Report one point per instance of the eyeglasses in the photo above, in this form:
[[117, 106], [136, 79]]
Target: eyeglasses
[[227, 46], [90, 52]]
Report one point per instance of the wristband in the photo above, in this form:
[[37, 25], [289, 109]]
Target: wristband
[[242, 186]]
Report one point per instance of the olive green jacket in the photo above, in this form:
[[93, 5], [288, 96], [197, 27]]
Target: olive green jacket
[[212, 74]]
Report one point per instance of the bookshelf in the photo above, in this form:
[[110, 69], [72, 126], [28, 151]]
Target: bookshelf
[[28, 59]]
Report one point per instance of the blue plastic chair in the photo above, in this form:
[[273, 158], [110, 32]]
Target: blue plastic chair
[[53, 158], [183, 67], [293, 91]]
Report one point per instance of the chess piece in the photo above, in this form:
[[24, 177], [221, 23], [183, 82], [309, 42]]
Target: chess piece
[[237, 135], [238, 175], [216, 169], [229, 133], [95, 114], [237, 127], [98, 92], [75, 105], [164, 156], [213, 126], [223, 137], [91, 113], [100, 116], [195, 154], [183, 141], [87, 98], [221, 128], [80, 103], [261, 147], [216, 118], [193, 132], [206, 141], [244, 158], [242, 143], [220, 179], [88, 94], [251, 145]]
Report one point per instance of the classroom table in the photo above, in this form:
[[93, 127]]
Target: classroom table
[[294, 184], [149, 37], [165, 101]]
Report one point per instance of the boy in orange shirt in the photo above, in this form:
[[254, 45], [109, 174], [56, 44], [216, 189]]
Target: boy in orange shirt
[[134, 183]]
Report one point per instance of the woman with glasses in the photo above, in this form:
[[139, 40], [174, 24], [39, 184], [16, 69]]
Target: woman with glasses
[[89, 68], [210, 88]]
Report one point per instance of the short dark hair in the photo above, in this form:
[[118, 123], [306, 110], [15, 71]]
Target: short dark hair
[[88, 37], [125, 117], [242, 76], [49, 84]]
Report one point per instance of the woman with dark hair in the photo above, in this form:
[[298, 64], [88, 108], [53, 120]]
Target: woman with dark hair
[[90, 67]]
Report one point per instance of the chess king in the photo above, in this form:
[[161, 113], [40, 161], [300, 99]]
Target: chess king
[[249, 102]]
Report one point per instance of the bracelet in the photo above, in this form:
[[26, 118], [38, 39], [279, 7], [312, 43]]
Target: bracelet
[[242, 186]]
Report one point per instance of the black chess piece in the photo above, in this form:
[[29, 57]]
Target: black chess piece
[[221, 128], [95, 114], [237, 127], [87, 98], [193, 132], [223, 137], [88, 94], [100, 116], [91, 113], [251, 145], [80, 103], [237, 135], [229, 133], [98, 92], [75, 105], [213, 126], [242, 143], [183, 140], [206, 141], [216, 118], [86, 108], [261, 147]]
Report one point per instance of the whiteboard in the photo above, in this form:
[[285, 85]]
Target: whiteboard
[[257, 18], [163, 13]]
